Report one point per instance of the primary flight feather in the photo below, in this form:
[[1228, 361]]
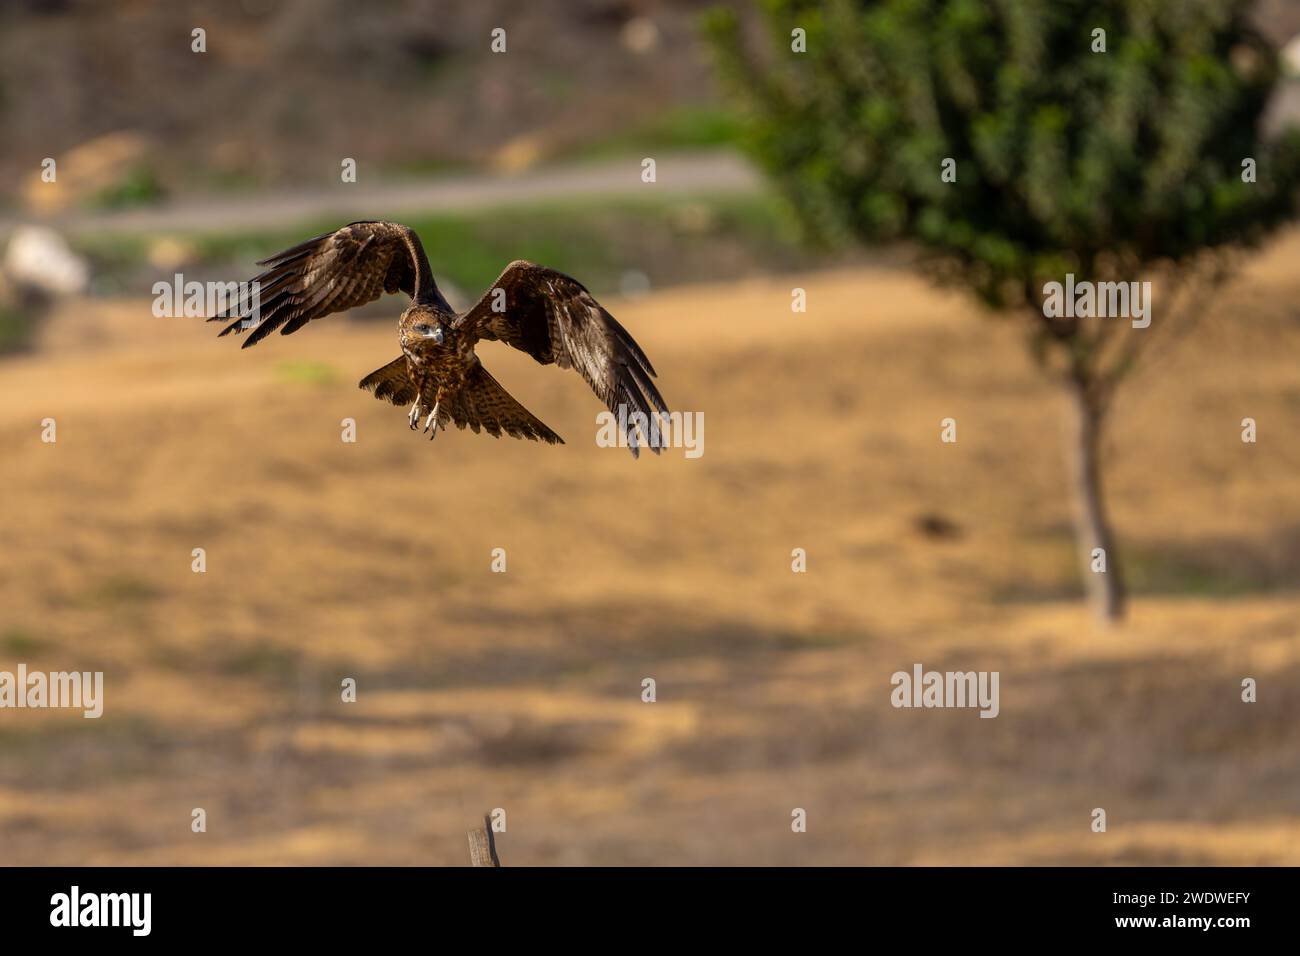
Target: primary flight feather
[[536, 310]]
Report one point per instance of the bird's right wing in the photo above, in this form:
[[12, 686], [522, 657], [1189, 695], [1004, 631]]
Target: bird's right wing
[[331, 273]]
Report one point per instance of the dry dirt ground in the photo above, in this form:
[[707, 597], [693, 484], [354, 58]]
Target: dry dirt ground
[[371, 560]]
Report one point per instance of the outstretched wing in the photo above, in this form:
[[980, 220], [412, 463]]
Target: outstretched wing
[[331, 273], [557, 321]]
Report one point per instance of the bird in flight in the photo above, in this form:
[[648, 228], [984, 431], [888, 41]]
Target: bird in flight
[[536, 310]]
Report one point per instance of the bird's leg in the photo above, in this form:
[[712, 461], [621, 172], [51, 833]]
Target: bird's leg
[[432, 422], [414, 417]]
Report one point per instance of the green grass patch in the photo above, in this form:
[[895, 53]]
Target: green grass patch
[[19, 642], [684, 128], [121, 591], [137, 187], [1167, 569], [113, 255], [16, 331], [307, 372], [263, 662], [1184, 573]]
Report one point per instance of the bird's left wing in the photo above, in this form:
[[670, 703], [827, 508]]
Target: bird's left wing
[[331, 273], [557, 321]]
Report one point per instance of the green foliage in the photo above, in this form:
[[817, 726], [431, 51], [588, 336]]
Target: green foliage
[[1096, 163], [16, 330], [137, 187]]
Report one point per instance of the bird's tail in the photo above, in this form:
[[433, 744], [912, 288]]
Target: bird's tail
[[482, 403], [392, 382]]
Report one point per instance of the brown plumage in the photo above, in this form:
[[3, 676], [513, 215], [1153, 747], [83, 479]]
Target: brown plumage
[[536, 310]]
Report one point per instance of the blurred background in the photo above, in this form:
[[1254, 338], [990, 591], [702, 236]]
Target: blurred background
[[522, 690]]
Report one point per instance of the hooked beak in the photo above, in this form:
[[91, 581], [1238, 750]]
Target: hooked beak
[[436, 334]]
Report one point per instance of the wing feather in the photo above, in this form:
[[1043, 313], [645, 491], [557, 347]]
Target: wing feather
[[392, 382], [331, 273], [556, 320]]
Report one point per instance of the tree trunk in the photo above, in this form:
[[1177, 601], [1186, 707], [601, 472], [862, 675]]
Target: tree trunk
[[1105, 589]]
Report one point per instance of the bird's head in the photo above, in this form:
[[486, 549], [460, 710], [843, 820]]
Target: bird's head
[[423, 329]]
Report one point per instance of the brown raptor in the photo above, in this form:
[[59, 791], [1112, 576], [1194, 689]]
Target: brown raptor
[[537, 310]]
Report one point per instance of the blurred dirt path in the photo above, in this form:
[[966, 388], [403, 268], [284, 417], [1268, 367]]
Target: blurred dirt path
[[677, 174]]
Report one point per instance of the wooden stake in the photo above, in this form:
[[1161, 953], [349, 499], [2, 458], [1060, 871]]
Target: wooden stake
[[483, 845]]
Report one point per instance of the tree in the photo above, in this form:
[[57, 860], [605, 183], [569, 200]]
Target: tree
[[1016, 143]]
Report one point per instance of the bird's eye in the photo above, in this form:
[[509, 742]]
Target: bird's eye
[[422, 328]]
